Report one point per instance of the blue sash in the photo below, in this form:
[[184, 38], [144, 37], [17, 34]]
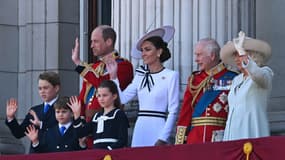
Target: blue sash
[[90, 93], [210, 95]]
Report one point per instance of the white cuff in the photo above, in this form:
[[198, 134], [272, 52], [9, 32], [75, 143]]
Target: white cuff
[[35, 145], [41, 124], [10, 120]]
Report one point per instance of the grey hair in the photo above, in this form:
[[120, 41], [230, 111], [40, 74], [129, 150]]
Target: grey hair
[[211, 46]]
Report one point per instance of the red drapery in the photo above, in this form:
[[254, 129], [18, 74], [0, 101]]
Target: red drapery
[[269, 148]]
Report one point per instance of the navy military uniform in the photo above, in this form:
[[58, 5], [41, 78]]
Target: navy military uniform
[[52, 140]]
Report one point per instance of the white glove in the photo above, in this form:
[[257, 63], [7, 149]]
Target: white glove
[[238, 43]]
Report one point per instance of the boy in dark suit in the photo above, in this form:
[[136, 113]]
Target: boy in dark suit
[[61, 137], [42, 116]]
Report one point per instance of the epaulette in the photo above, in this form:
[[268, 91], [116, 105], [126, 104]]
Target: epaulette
[[193, 74], [196, 72]]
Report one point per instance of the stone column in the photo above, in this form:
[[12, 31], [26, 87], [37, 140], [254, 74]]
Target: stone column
[[38, 36], [192, 19], [9, 68]]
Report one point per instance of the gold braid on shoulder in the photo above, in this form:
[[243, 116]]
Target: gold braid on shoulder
[[99, 70], [196, 89]]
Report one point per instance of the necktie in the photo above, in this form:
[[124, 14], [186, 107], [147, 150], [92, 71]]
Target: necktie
[[61, 130], [46, 107]]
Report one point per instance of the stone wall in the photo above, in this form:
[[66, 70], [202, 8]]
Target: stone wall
[[36, 36]]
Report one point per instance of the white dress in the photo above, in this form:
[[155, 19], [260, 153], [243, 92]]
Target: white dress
[[248, 100], [162, 97]]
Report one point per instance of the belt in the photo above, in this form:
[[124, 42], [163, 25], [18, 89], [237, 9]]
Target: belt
[[105, 140], [208, 121], [152, 113]]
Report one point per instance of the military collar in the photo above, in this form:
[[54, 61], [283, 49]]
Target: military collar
[[114, 54], [218, 68]]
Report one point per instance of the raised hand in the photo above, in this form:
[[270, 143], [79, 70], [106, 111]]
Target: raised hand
[[32, 134], [75, 105], [36, 120], [75, 53], [11, 108], [112, 68], [238, 43]]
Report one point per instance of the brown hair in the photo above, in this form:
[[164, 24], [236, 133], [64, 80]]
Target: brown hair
[[108, 32], [61, 103], [160, 44], [51, 77], [113, 89]]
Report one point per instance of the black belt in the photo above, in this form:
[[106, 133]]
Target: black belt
[[152, 113]]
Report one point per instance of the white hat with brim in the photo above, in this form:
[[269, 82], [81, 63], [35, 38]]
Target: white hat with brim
[[259, 46], [165, 32]]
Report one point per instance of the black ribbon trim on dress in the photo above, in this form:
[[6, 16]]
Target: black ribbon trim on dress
[[147, 80], [152, 113]]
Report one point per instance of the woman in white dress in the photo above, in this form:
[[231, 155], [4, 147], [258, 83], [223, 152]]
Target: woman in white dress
[[250, 90], [156, 87]]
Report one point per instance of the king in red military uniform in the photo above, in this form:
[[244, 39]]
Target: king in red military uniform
[[205, 107], [103, 39]]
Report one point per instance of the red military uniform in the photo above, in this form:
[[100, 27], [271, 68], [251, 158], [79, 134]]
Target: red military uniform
[[197, 128], [93, 75]]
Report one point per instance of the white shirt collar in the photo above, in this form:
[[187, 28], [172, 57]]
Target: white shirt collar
[[67, 125], [52, 101]]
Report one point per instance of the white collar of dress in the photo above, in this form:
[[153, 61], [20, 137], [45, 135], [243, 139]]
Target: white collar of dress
[[104, 117]]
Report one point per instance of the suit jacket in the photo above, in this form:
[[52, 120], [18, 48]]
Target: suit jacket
[[52, 141], [48, 121]]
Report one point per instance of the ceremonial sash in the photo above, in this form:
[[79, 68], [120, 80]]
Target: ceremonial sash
[[91, 92], [205, 100], [209, 96]]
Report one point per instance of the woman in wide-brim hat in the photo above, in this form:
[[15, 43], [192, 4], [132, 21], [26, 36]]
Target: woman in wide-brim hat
[[250, 90], [156, 87]]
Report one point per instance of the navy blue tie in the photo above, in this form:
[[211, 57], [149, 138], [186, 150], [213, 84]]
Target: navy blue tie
[[62, 129], [46, 107]]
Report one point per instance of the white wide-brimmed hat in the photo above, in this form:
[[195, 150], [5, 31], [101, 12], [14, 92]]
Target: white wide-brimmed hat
[[250, 44], [165, 32]]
